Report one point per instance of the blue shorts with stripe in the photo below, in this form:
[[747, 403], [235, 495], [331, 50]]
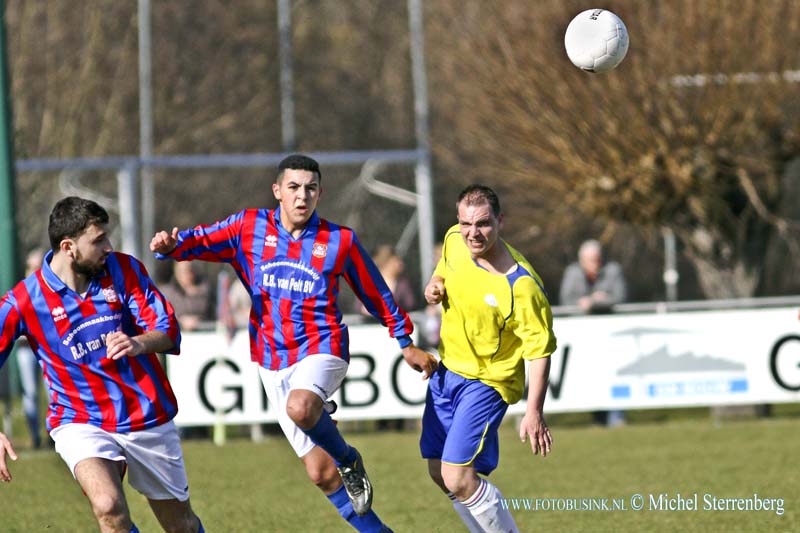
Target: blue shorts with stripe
[[460, 422]]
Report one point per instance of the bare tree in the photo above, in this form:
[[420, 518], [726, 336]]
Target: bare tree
[[692, 132]]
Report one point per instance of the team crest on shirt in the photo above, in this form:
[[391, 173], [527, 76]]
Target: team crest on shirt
[[319, 250], [58, 313], [490, 299], [110, 294], [271, 241]]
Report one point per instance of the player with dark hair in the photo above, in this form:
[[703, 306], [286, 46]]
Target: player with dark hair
[[494, 317], [291, 262], [95, 321]]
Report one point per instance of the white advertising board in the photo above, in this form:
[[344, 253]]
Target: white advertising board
[[697, 358]]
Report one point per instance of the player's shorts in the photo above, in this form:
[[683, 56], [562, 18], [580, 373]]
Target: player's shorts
[[153, 456], [460, 422], [321, 374]]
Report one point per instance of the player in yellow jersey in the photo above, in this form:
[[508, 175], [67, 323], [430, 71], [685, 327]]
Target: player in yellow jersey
[[495, 315]]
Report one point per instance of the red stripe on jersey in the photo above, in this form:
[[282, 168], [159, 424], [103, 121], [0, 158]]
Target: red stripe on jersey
[[87, 307], [247, 238], [132, 287], [71, 391], [54, 303], [345, 243], [107, 411], [148, 388], [317, 263], [266, 303], [294, 251]]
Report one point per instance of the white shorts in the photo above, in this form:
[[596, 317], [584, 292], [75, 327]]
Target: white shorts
[[154, 456], [321, 374]]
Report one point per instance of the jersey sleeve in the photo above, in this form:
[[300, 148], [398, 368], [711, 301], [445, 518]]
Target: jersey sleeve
[[365, 279], [11, 326], [533, 319], [148, 307], [216, 242]]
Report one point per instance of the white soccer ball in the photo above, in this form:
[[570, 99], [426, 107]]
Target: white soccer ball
[[596, 40]]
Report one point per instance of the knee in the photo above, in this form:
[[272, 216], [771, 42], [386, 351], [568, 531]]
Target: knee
[[460, 481], [302, 411], [109, 508]]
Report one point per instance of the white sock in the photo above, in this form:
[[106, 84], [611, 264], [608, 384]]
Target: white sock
[[465, 515], [485, 508]]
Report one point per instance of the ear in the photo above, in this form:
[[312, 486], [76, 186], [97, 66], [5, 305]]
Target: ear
[[276, 190], [500, 219], [66, 246]]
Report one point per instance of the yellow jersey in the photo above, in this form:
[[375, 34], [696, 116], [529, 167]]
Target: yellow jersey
[[491, 322]]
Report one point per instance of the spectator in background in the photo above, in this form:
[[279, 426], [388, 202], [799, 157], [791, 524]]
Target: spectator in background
[[433, 312], [29, 371], [595, 286], [190, 296], [392, 268], [592, 284]]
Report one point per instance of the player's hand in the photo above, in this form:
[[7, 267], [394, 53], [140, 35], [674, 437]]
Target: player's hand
[[420, 360], [119, 345], [163, 242], [534, 426], [6, 448], [434, 291]]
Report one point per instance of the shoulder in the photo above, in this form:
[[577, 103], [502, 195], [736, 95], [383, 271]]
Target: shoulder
[[612, 268]]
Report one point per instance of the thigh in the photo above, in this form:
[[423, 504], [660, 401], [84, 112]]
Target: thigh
[[101, 482], [78, 442], [472, 439], [155, 463], [321, 374], [276, 385]]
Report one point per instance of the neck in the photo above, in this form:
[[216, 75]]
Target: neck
[[294, 229], [497, 260], [62, 267]]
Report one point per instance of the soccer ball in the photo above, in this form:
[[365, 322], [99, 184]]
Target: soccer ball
[[596, 40]]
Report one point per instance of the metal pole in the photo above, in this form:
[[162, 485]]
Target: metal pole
[[127, 195], [8, 234], [671, 275], [148, 209], [286, 86], [422, 172]]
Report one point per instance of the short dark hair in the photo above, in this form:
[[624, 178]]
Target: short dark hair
[[479, 194], [71, 216], [298, 162]]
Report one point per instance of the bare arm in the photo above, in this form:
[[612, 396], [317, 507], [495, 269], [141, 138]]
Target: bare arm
[[533, 424]]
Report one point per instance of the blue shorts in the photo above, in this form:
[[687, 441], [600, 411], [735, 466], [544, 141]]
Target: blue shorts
[[460, 422]]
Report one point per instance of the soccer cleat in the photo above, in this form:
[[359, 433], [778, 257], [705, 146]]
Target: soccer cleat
[[357, 485]]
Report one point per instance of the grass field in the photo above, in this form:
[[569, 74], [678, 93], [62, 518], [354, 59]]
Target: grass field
[[247, 486]]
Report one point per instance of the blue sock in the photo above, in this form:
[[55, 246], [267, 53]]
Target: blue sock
[[134, 529], [327, 436], [368, 523]]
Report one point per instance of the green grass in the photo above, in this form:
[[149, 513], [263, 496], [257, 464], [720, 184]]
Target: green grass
[[246, 486]]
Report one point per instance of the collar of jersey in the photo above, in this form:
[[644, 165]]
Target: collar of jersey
[[53, 281], [313, 221]]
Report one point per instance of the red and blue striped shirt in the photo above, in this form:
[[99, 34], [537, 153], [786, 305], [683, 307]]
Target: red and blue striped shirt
[[294, 283], [67, 333]]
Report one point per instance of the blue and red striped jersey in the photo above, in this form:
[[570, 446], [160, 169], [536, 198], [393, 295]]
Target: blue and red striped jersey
[[66, 331], [294, 283]]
